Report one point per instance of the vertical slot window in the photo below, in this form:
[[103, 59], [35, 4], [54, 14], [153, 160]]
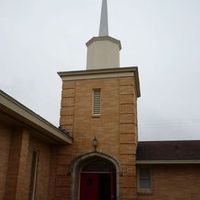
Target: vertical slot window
[[96, 110], [34, 170], [144, 179]]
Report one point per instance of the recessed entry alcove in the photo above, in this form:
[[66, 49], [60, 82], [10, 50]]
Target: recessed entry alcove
[[95, 176]]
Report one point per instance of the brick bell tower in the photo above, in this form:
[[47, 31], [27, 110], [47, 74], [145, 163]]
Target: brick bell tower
[[99, 109]]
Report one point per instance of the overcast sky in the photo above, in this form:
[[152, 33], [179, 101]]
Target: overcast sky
[[38, 38]]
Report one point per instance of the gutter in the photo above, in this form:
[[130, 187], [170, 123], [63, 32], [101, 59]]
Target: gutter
[[159, 162]]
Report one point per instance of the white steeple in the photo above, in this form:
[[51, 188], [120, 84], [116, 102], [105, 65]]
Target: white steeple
[[103, 29], [103, 51]]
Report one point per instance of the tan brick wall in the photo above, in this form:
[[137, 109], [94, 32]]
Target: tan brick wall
[[4, 154], [22, 179], [115, 129], [175, 182], [128, 131], [16, 148], [13, 166], [43, 175]]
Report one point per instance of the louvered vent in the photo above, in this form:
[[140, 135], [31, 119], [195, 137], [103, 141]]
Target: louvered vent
[[96, 101]]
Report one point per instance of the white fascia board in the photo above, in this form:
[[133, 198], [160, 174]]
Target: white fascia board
[[157, 162]]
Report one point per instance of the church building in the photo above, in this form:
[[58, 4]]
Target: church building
[[95, 153]]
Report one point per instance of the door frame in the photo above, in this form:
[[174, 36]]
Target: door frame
[[76, 166]]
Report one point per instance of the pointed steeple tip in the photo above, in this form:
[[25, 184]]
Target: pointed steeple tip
[[103, 30]]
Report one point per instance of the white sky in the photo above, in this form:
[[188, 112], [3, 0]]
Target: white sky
[[38, 38]]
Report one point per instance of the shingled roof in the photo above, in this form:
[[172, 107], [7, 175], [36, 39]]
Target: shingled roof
[[168, 150]]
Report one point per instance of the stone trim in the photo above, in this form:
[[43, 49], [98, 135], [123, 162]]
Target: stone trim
[[103, 38], [102, 74], [97, 76], [98, 71]]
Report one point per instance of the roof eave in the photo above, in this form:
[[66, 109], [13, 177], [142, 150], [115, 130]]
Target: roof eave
[[24, 114]]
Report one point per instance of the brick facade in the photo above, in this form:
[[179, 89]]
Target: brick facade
[[16, 147], [115, 129], [174, 182], [116, 132]]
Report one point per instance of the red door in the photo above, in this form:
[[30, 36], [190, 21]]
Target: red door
[[89, 186]]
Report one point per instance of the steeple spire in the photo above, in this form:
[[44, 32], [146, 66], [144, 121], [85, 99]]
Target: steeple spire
[[103, 30], [103, 51]]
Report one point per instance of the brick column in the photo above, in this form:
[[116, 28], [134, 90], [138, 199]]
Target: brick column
[[128, 138], [16, 181], [67, 105]]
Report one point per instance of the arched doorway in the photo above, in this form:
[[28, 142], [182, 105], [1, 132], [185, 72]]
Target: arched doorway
[[98, 180], [95, 176]]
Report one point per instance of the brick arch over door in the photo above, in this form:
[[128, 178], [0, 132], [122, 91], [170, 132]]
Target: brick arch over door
[[80, 161]]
